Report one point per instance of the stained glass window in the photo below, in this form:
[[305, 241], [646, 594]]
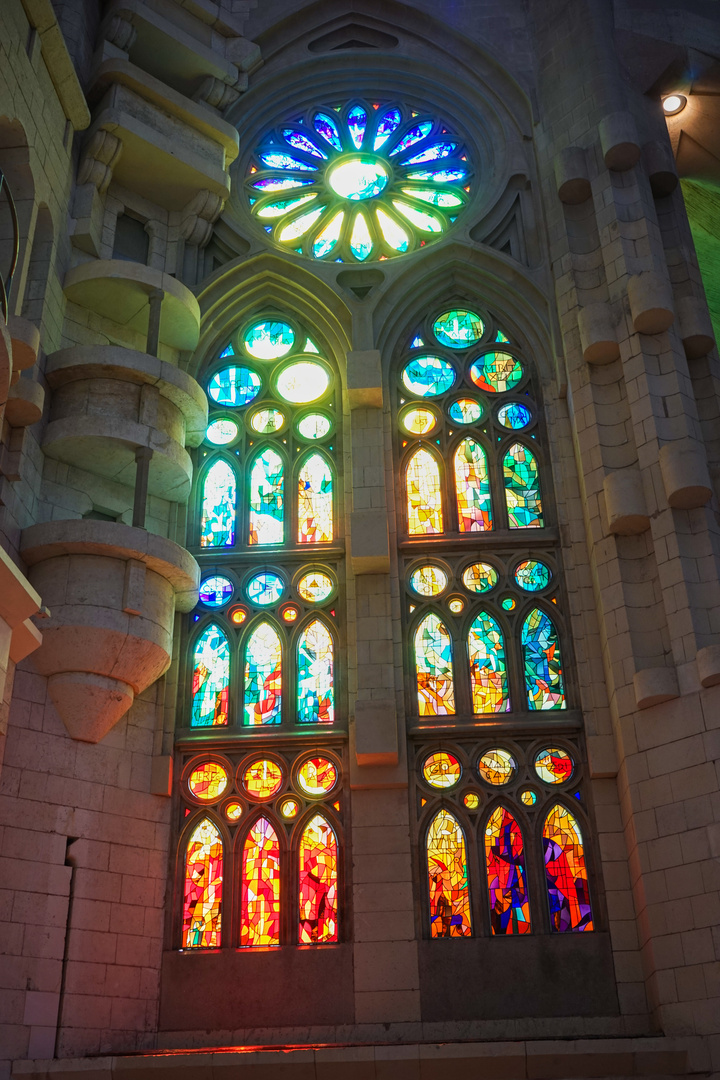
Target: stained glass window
[[424, 498], [263, 676], [318, 883], [433, 664], [447, 878], [267, 498], [522, 488], [315, 501], [217, 526], [211, 679], [488, 670], [315, 683], [260, 894], [472, 487], [542, 662], [202, 905], [565, 872], [506, 877]]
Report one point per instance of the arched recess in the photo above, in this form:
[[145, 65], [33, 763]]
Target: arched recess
[[505, 863], [566, 870], [423, 492], [15, 164], [210, 663], [315, 499], [434, 665], [267, 487], [447, 875]]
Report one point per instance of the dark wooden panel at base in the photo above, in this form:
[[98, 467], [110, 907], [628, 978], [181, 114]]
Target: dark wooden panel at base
[[228, 990], [506, 978]]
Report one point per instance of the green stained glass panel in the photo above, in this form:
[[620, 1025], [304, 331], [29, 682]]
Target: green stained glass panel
[[315, 675], [458, 328], [211, 679], [433, 663], [263, 677], [496, 372], [544, 682], [266, 499], [522, 488]]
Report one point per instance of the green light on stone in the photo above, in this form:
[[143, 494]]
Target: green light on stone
[[358, 178]]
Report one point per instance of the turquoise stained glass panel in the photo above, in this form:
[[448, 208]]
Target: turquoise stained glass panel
[[211, 679], [315, 675], [217, 525], [267, 499]]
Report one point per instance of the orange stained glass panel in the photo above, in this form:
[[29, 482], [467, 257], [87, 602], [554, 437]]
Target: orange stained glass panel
[[447, 878], [263, 778], [424, 500], [203, 888], [565, 873], [208, 781], [317, 776], [260, 900], [318, 883]]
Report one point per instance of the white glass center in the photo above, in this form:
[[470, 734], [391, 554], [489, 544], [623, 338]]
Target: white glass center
[[359, 178]]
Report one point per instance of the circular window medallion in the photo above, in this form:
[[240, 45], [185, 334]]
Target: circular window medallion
[[267, 421], [554, 766], [497, 767], [269, 340], [235, 386], [480, 577], [208, 781], [458, 328], [221, 432], [496, 372], [314, 426], [428, 580], [265, 589], [315, 587], [262, 779], [233, 811], [465, 411], [514, 416], [302, 382], [428, 376], [441, 769], [317, 776], [532, 576], [215, 591]]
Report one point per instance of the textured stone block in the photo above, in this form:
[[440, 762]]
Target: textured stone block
[[655, 685], [619, 141], [695, 327], [598, 336], [364, 379], [685, 474], [625, 502], [571, 176], [651, 302], [660, 166], [376, 739], [369, 544]]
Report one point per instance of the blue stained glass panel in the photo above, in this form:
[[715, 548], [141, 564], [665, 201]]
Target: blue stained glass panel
[[433, 153], [263, 677], [315, 686], [266, 588], [267, 499], [326, 126], [301, 142], [413, 136], [544, 682], [217, 524], [215, 591], [211, 679], [428, 376], [285, 161], [389, 121], [234, 386], [514, 416]]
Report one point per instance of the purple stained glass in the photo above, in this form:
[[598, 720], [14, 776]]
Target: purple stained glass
[[285, 161], [389, 121], [301, 142], [326, 126], [433, 153], [357, 122], [413, 136]]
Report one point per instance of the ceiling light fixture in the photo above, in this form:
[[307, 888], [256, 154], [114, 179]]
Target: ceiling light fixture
[[673, 104]]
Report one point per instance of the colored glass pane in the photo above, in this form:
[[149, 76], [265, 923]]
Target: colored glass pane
[[553, 765], [502, 337], [392, 233], [314, 426], [301, 142], [514, 416], [217, 523], [328, 236], [435, 198], [440, 176], [289, 808], [358, 178], [458, 328], [497, 767], [267, 421], [480, 577], [310, 346], [428, 580], [532, 576], [488, 671], [357, 122], [565, 873], [315, 686], [202, 915], [456, 606], [421, 219], [318, 883], [428, 376], [208, 781], [284, 206], [303, 382], [418, 421], [300, 225], [420, 131], [424, 498], [542, 662], [472, 487], [317, 776], [263, 778], [326, 126], [471, 800], [315, 587], [233, 811], [433, 153], [315, 501], [388, 123], [522, 488], [269, 339], [433, 664], [211, 679], [285, 161], [266, 588], [271, 183], [508, 603], [496, 372], [215, 591], [266, 499], [221, 432], [528, 798], [441, 769], [260, 894], [360, 240], [234, 386], [263, 676], [447, 878], [506, 878], [465, 411]]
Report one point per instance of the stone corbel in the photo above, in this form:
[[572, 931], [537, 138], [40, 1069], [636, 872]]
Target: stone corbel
[[220, 94], [198, 217], [100, 157], [119, 31]]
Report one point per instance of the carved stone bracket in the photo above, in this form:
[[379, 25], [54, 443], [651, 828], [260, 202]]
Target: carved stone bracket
[[220, 94], [121, 32], [198, 217], [100, 157]]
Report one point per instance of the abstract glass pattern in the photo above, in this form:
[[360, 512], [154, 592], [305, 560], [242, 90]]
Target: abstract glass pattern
[[234, 386], [554, 765], [260, 895], [269, 339], [315, 685], [424, 496], [267, 498], [221, 432], [480, 577], [211, 679], [317, 776], [263, 778], [465, 411], [472, 487], [202, 916], [496, 372], [428, 580], [314, 426], [433, 664], [265, 588], [428, 376], [532, 576], [267, 421], [357, 156], [506, 878], [315, 501], [447, 878], [488, 670], [497, 767], [418, 421], [217, 524], [315, 587], [215, 591], [458, 328], [318, 883], [542, 662], [514, 415], [522, 488], [565, 873], [441, 769], [303, 382], [208, 781], [263, 677]]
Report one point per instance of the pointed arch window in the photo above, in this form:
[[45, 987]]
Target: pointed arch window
[[565, 872], [488, 669], [315, 675], [318, 894], [315, 501], [506, 877], [202, 907], [219, 505], [542, 660], [263, 676], [260, 890], [211, 679], [522, 488], [447, 877], [424, 494], [267, 498], [433, 666], [472, 487]]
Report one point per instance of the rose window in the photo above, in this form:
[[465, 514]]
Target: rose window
[[358, 182]]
